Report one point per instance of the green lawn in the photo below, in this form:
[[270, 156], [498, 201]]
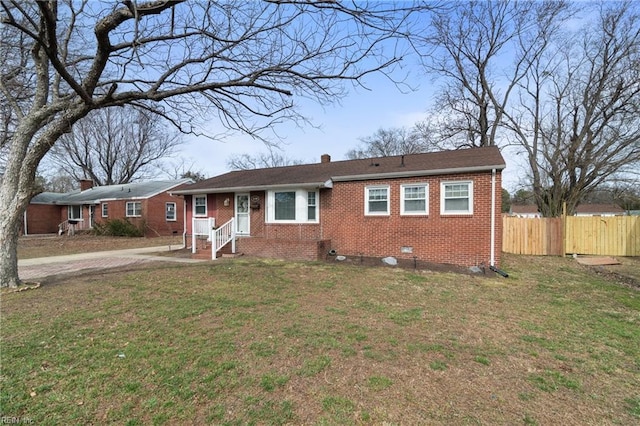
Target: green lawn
[[265, 342]]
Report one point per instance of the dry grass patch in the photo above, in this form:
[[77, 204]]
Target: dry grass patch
[[266, 342], [44, 246]]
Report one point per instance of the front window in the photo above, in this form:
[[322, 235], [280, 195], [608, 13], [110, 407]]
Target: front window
[[200, 205], [170, 210], [377, 200], [134, 209], [292, 206], [415, 200], [456, 198], [285, 205], [74, 213], [105, 210]]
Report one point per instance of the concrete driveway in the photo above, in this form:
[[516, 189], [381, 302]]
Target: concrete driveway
[[42, 267]]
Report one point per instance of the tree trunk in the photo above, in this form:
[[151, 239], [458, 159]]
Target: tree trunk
[[9, 224]]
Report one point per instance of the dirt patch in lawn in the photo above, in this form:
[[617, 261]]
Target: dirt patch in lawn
[[627, 272]]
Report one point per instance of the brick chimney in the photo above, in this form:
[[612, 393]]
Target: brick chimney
[[86, 184], [325, 158]]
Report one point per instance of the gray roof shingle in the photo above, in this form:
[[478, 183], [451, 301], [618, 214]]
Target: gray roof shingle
[[127, 191], [324, 174]]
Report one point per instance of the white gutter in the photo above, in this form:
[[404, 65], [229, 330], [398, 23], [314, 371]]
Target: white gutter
[[327, 184], [492, 262], [413, 173]]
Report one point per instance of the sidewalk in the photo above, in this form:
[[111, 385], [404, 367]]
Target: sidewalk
[[42, 267]]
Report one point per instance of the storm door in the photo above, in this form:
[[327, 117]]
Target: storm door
[[242, 214]]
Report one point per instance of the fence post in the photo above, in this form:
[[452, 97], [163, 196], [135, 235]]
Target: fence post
[[564, 229]]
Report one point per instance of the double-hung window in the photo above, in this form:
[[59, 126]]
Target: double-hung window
[[134, 209], [312, 206], [200, 205], [376, 201], [292, 206], [414, 199], [105, 210], [170, 212], [456, 198]]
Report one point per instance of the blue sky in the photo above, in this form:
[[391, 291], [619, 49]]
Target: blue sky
[[358, 115]]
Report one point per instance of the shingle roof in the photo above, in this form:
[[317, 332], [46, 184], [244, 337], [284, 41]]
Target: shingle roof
[[324, 174], [524, 209], [127, 191], [599, 209]]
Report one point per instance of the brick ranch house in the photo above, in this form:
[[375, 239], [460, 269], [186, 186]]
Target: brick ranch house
[[145, 204], [441, 207]]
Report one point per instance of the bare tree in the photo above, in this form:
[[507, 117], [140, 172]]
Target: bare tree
[[60, 182], [272, 158], [392, 141], [242, 62], [479, 50], [578, 115], [567, 99], [115, 145]]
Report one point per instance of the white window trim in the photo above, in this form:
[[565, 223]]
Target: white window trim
[[444, 212], [302, 205], [175, 212], [70, 210], [205, 205], [102, 209], [366, 200], [126, 210], [403, 212]]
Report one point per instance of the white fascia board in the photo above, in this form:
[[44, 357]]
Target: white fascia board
[[415, 173], [326, 184]]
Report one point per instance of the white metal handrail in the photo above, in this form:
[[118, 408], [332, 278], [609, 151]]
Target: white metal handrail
[[223, 235], [70, 226], [201, 227]]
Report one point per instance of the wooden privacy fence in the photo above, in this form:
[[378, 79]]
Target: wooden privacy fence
[[593, 235]]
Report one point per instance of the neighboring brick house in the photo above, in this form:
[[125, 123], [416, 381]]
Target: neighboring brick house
[[145, 204], [441, 207]]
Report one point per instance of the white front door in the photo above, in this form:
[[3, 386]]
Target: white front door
[[242, 214]]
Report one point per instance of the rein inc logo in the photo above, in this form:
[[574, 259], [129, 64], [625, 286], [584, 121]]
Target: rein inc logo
[[9, 420]]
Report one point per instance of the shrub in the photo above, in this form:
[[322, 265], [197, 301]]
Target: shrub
[[118, 228]]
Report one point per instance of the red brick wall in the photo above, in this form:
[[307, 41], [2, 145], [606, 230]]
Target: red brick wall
[[153, 217], [42, 219], [292, 249], [460, 240]]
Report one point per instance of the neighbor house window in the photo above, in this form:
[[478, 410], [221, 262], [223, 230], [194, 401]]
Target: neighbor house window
[[376, 200], [134, 208], [456, 198], [105, 210], [74, 213], [415, 199], [200, 205], [292, 206], [170, 209], [311, 206]]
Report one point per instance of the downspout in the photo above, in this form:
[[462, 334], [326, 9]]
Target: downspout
[[25, 222], [184, 221], [492, 262]]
